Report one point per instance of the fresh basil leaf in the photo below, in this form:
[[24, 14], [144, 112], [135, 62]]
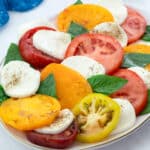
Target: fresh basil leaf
[[76, 29], [146, 36], [12, 53], [48, 86], [136, 59], [148, 29], [3, 96], [106, 84], [147, 108], [78, 2]]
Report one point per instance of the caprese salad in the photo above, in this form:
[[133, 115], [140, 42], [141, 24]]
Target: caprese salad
[[84, 79]]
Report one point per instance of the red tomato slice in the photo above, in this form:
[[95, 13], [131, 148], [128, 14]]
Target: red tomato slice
[[32, 55], [61, 140], [103, 48], [135, 90], [134, 25]]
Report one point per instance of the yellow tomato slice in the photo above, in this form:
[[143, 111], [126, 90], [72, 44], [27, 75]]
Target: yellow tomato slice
[[29, 113], [137, 48], [97, 115], [147, 67], [87, 15], [71, 87]]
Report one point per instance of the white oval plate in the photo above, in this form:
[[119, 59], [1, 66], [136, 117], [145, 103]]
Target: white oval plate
[[48, 10]]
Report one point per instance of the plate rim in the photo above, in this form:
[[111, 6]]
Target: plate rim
[[37, 147]]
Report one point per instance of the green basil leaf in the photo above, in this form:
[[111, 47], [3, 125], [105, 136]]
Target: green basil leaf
[[78, 2], [148, 29], [48, 86], [147, 108], [146, 36], [12, 53], [3, 96], [76, 29], [106, 84], [136, 59]]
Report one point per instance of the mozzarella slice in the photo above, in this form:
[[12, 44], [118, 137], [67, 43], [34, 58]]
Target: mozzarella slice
[[63, 121], [32, 24], [127, 118], [112, 29], [19, 80], [143, 73], [117, 8], [52, 43], [87, 67]]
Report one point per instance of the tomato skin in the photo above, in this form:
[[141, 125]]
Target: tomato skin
[[135, 90], [102, 48], [32, 55], [61, 140], [134, 25], [104, 105]]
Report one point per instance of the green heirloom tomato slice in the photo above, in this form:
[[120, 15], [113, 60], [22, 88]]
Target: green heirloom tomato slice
[[97, 115]]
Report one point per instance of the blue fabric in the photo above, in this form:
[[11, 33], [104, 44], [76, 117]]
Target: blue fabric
[[22, 5], [4, 17], [15, 5]]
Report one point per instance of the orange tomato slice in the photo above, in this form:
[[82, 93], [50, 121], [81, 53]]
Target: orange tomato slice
[[87, 15], [70, 85], [137, 48], [147, 67], [29, 113]]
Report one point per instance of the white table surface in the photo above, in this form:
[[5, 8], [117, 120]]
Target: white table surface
[[139, 140]]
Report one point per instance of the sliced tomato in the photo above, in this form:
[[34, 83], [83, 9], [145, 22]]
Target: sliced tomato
[[32, 55], [97, 115], [103, 48], [61, 140], [135, 90], [134, 25]]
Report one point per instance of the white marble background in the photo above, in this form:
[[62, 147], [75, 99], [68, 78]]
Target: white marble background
[[139, 140]]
